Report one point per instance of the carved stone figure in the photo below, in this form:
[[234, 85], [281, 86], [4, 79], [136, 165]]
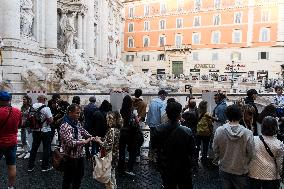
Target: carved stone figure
[[27, 17], [68, 32]]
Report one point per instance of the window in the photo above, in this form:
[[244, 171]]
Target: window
[[263, 55], [161, 57], [265, 16], [195, 56], [130, 27], [217, 20], [216, 37], [130, 42], [196, 38], [238, 3], [163, 8], [197, 5], [129, 58], [146, 26], [178, 40], [215, 56], [264, 35], [145, 58], [131, 12], [237, 36], [162, 41], [197, 21], [217, 4], [236, 56], [238, 18], [162, 24], [179, 5], [179, 22], [146, 41], [146, 10]]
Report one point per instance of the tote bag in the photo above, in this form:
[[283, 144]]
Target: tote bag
[[102, 168]]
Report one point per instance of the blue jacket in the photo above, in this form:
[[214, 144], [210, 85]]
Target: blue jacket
[[220, 112], [156, 108]]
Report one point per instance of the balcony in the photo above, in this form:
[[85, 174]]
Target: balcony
[[178, 47]]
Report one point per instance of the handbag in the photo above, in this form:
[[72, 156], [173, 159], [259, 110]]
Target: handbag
[[102, 166], [58, 160]]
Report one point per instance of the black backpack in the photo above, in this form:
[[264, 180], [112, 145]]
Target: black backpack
[[35, 118]]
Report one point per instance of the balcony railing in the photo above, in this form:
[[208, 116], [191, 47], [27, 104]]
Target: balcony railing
[[177, 47]]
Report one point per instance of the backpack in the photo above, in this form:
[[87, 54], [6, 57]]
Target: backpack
[[204, 125], [35, 118]]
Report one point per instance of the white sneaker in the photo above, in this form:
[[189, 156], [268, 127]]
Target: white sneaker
[[22, 155], [27, 156]]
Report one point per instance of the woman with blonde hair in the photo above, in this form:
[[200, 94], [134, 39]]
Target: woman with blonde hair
[[111, 143]]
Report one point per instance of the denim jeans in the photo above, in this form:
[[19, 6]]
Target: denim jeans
[[258, 184], [232, 181], [45, 138]]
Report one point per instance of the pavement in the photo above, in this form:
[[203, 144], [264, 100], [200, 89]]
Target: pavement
[[147, 177]]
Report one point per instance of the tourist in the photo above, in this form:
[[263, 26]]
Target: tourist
[[190, 115], [164, 118], [111, 143], [251, 97], [73, 138], [176, 148], [99, 126], [58, 109], [204, 130], [128, 136], [269, 110], [10, 120], [247, 117], [77, 100], [278, 99], [156, 108], [43, 135], [233, 149], [265, 170], [89, 111], [139, 105], [219, 112], [25, 109]]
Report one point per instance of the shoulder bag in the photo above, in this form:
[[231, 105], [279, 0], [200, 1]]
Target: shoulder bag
[[102, 166]]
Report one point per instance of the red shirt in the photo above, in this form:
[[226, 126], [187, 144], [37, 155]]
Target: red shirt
[[9, 131]]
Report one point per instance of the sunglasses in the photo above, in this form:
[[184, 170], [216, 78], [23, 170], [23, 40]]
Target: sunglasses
[[250, 113]]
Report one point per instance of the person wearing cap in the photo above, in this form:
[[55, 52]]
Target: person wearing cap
[[251, 97], [10, 120], [156, 108], [89, 111], [42, 135]]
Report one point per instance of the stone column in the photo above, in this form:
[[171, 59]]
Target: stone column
[[51, 24], [80, 30], [90, 29], [10, 19]]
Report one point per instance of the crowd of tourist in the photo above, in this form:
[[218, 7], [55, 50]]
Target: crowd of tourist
[[246, 145]]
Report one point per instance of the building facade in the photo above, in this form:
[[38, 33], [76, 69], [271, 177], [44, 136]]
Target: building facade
[[205, 39], [48, 32]]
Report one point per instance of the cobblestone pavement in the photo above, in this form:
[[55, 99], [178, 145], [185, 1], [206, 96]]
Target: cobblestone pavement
[[147, 177]]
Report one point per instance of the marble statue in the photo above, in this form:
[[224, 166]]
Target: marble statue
[[68, 32], [27, 17]]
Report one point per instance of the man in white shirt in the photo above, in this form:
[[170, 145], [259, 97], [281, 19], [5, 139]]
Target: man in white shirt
[[43, 135]]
